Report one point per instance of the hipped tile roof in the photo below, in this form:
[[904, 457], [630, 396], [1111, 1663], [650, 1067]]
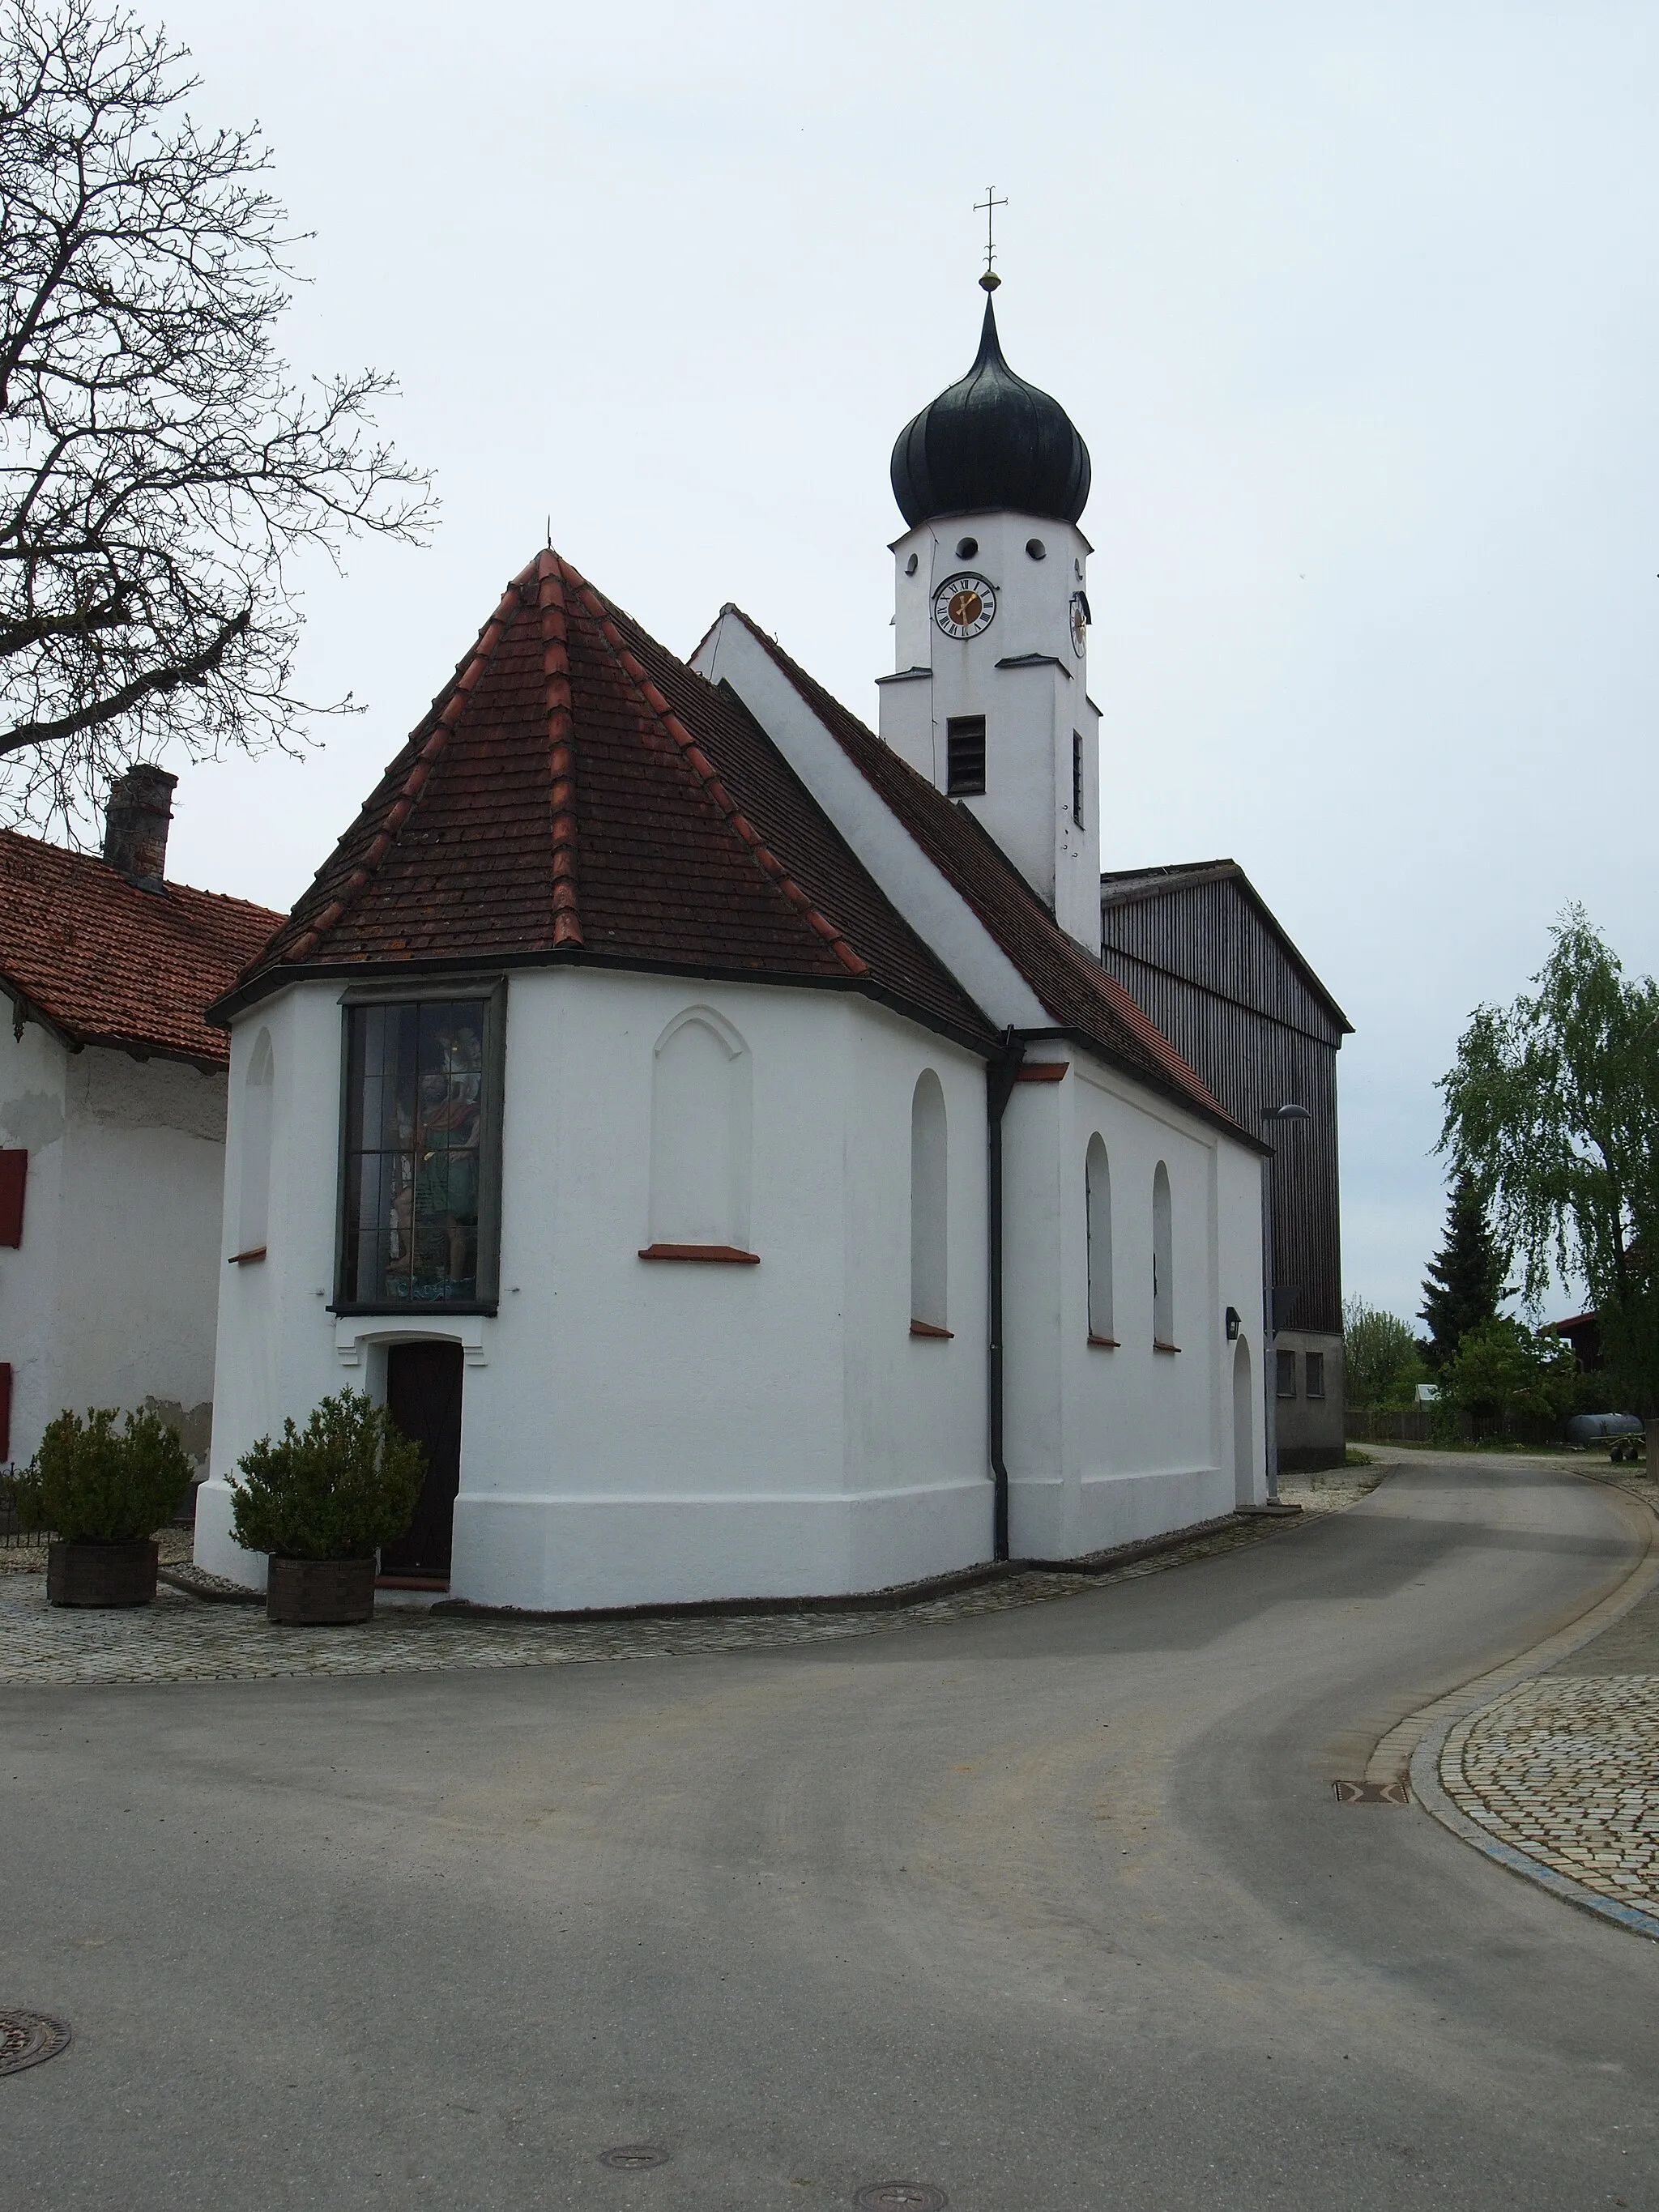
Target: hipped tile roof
[[577, 792], [106, 964], [1085, 1001]]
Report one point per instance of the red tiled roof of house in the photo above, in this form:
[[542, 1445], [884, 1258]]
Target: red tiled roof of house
[[106, 963], [579, 794], [1087, 1002]]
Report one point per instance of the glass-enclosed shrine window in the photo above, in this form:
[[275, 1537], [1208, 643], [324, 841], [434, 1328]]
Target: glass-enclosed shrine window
[[420, 1188]]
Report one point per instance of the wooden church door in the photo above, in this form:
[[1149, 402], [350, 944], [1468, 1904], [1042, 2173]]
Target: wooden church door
[[423, 1396]]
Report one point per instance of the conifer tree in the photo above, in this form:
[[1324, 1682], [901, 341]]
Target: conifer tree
[[1465, 1276]]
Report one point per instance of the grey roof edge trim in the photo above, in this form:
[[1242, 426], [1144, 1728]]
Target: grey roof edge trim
[[1138, 884], [1038, 660], [898, 676]]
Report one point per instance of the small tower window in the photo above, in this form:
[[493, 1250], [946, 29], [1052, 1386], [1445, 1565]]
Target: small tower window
[[966, 548], [910, 566], [1076, 778], [964, 751], [1036, 548], [1163, 1313]]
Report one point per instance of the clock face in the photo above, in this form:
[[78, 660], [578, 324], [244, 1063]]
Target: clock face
[[1079, 624], [965, 605]]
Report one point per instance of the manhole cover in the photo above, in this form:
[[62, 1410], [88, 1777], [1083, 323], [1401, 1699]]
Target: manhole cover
[[1372, 1793], [634, 2158], [26, 2038], [902, 2197]]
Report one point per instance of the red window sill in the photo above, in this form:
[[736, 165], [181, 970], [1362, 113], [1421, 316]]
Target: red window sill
[[927, 1328], [1104, 1343], [246, 1259], [1044, 1071], [726, 1255], [1157, 1346]]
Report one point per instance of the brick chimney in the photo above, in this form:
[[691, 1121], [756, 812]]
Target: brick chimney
[[136, 822]]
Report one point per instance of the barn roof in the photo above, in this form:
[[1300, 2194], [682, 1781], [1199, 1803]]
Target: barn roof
[[102, 962], [577, 794]]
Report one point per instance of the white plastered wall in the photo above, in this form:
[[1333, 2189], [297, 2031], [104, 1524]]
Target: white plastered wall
[[111, 1299], [1105, 1446], [640, 1431]]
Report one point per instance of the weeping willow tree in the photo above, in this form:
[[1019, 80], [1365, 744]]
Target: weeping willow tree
[[1552, 1111]]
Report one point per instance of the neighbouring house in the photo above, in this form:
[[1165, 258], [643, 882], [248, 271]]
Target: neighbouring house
[[113, 1123], [708, 1125], [1199, 949]]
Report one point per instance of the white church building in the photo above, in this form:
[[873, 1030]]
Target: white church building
[[708, 1123]]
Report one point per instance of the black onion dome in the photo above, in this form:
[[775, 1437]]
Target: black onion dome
[[992, 441]]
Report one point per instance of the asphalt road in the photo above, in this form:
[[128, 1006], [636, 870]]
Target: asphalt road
[[1049, 1909]]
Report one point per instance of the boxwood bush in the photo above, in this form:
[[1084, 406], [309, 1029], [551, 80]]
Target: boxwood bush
[[90, 1485], [338, 1489]]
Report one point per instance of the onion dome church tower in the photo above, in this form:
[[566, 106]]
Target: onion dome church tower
[[989, 697]]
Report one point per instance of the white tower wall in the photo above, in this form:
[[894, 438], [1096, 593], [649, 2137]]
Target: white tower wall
[[1024, 675]]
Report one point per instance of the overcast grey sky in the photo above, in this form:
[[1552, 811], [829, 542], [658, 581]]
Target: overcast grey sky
[[1354, 305]]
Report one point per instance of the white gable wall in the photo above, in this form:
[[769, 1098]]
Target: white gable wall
[[111, 1299], [638, 1431]]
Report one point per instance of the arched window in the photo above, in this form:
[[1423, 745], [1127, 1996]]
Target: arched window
[[1097, 1176], [259, 1088], [1163, 1313], [700, 1134], [928, 1242]]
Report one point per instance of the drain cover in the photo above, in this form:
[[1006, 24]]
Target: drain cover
[[26, 2038], [634, 2158], [1372, 1793], [902, 2197]]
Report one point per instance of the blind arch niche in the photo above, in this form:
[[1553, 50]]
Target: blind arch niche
[[253, 1194], [929, 1239], [701, 1116]]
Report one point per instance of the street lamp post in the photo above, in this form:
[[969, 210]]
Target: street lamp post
[[1271, 1116]]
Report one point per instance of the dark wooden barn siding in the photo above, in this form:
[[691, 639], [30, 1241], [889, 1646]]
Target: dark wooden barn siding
[[1252, 1054], [1210, 934]]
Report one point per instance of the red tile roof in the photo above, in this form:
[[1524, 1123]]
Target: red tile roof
[[1086, 1003], [579, 794], [106, 964]]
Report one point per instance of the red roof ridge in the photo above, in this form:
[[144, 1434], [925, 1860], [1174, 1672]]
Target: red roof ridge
[[449, 714], [551, 574], [703, 768]]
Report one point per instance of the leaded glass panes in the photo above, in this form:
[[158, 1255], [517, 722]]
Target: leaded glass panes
[[417, 1118]]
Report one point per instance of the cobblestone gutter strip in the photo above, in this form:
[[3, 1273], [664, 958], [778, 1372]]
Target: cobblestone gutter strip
[[181, 1638], [1555, 1778]]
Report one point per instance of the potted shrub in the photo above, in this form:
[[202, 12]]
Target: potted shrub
[[321, 1500], [103, 1494]]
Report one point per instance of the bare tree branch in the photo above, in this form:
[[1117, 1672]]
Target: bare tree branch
[[159, 464]]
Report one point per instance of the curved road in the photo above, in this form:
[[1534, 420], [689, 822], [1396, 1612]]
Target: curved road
[[1049, 1909]]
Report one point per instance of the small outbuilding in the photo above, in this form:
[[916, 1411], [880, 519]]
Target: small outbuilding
[[111, 1123]]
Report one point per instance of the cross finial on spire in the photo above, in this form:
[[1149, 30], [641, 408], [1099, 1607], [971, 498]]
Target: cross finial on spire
[[988, 207]]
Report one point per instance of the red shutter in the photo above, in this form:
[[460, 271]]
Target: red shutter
[[5, 1413], [14, 1174]]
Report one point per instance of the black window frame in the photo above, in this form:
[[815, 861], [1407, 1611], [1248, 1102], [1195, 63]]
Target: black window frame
[[1313, 1364], [490, 990], [1077, 777], [965, 730], [1284, 1365]]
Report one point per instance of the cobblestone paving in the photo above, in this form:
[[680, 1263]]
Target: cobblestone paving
[[183, 1638], [1565, 1767]]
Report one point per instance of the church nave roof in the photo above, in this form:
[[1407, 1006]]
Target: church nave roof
[[576, 793]]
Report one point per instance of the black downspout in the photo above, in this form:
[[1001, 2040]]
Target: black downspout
[[999, 1078]]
